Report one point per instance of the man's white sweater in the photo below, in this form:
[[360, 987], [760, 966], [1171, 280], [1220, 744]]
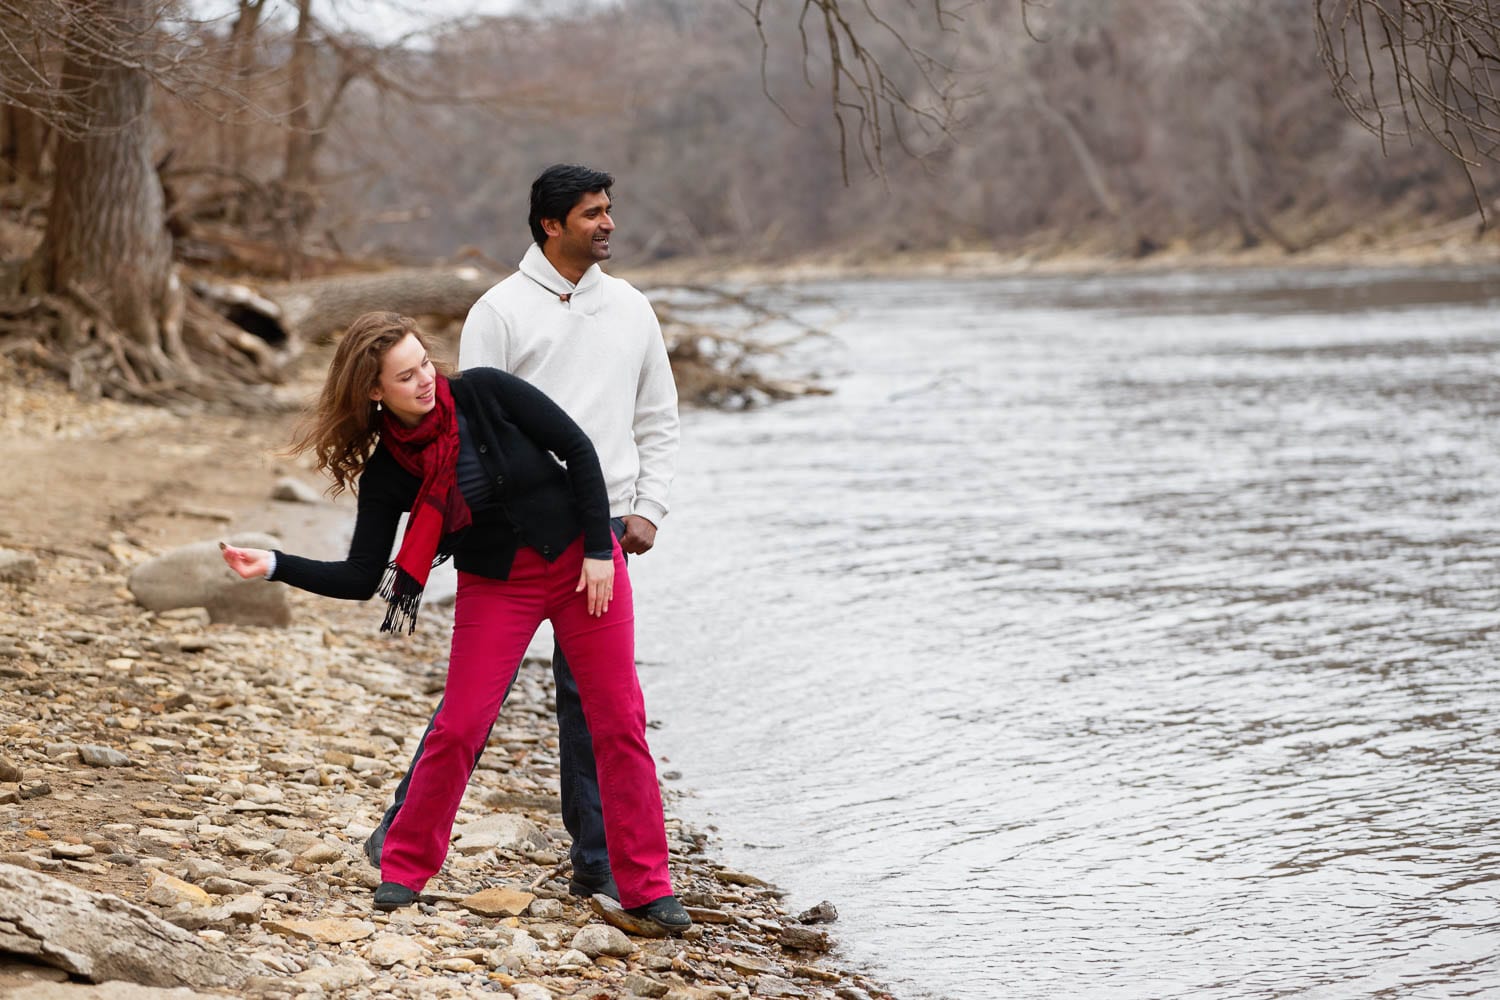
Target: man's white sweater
[[596, 349]]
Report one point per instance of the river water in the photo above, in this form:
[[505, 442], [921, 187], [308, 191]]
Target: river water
[[1110, 637]]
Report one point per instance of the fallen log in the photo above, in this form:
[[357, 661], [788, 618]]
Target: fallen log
[[320, 307]]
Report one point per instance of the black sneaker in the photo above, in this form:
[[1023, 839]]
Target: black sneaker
[[374, 843], [584, 884], [656, 919], [393, 896]]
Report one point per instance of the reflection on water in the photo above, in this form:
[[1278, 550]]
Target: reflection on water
[[1109, 638]]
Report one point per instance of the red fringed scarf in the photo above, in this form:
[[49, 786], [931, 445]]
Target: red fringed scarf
[[430, 451]]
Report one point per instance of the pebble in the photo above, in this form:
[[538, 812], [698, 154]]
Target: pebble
[[824, 913], [96, 756], [395, 949], [602, 939], [644, 986], [17, 567], [166, 891]]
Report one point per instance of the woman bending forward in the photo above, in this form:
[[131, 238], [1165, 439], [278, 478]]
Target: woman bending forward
[[469, 458]]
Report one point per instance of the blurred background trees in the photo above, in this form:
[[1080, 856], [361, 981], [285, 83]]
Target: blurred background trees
[[152, 149]]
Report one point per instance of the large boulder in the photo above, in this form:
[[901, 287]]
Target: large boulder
[[195, 576], [100, 937]]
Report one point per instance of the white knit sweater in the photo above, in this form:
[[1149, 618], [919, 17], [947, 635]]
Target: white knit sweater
[[600, 356]]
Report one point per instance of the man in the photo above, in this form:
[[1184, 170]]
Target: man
[[592, 343]]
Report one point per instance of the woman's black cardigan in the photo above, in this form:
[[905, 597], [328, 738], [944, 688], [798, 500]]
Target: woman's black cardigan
[[517, 430]]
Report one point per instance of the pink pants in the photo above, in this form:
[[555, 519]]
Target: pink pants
[[494, 621]]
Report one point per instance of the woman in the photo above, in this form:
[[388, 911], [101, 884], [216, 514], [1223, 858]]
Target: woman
[[472, 459]]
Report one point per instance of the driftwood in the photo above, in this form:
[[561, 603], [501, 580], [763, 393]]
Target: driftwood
[[718, 344], [320, 307], [100, 937]]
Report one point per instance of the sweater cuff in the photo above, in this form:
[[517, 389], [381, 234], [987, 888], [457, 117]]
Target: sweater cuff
[[599, 554], [271, 573], [650, 510]]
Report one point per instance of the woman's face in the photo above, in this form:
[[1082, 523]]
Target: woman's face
[[408, 381]]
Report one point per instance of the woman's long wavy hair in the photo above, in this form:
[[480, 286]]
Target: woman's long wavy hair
[[342, 427]]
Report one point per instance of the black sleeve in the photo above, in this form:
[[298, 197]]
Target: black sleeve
[[357, 576], [551, 428]]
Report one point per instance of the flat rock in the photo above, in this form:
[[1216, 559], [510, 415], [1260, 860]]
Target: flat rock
[[644, 986], [330, 930], [168, 891], [74, 852], [775, 986], [750, 965], [498, 902], [243, 909], [97, 756], [805, 939], [100, 937], [731, 877], [501, 831], [112, 990]]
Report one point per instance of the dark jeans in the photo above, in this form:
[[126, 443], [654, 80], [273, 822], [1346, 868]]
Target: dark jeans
[[582, 812]]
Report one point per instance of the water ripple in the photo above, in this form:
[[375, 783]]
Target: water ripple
[[1111, 637]]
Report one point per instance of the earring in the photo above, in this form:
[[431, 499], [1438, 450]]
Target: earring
[[377, 406]]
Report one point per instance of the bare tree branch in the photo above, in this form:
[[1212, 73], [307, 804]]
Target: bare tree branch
[[869, 96], [1407, 66]]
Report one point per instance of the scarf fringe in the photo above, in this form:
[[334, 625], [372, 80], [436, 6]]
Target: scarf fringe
[[403, 596]]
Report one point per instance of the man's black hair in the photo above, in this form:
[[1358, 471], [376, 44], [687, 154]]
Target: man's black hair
[[558, 189]]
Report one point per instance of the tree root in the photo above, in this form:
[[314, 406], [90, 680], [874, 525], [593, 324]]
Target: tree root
[[68, 334]]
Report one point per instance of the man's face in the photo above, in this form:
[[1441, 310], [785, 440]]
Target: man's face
[[582, 238]]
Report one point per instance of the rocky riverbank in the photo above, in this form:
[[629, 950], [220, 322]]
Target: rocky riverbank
[[222, 777]]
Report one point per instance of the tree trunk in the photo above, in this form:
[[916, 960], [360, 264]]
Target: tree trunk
[[106, 239], [242, 64], [22, 136], [297, 171], [297, 176], [22, 132]]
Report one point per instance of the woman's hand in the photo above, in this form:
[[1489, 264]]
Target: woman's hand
[[598, 578], [248, 563]]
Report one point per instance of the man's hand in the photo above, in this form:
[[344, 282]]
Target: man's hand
[[640, 534]]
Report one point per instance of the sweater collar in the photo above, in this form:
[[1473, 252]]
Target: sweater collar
[[585, 296]]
